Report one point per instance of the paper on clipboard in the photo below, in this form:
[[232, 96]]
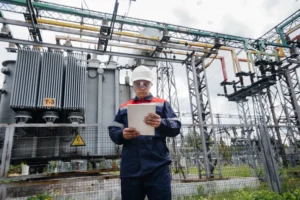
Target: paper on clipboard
[[136, 114]]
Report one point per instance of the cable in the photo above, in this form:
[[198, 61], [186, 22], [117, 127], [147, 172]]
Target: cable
[[126, 14], [88, 10]]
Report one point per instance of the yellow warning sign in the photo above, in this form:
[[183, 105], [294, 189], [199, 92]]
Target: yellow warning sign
[[78, 141], [49, 102]]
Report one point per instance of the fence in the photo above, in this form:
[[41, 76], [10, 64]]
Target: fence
[[65, 161]]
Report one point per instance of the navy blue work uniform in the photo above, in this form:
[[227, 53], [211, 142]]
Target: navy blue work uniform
[[145, 159]]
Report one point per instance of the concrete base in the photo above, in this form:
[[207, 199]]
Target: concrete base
[[110, 189]]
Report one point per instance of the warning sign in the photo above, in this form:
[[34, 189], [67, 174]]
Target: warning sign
[[78, 141], [49, 102]]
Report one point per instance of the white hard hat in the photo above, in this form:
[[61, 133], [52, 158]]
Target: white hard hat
[[141, 73]]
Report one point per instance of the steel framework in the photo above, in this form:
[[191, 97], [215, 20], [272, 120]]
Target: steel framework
[[202, 115], [77, 15], [264, 94], [166, 89]]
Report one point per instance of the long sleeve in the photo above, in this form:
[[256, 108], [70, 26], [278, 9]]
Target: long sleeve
[[170, 124], [116, 130]]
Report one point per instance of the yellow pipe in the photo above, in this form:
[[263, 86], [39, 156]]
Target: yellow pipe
[[280, 49], [249, 64], [91, 28], [149, 49], [121, 33], [140, 47], [236, 66], [293, 29]]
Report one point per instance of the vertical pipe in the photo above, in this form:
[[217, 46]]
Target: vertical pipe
[[117, 90], [100, 113], [248, 62], [224, 69]]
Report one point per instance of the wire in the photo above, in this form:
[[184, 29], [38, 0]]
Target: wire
[[88, 10], [126, 14]]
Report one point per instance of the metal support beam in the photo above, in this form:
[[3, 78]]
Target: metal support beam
[[271, 171], [34, 32], [78, 49], [290, 87], [202, 115], [6, 152], [166, 89], [98, 35], [72, 14]]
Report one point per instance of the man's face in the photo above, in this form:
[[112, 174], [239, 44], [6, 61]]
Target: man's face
[[142, 88]]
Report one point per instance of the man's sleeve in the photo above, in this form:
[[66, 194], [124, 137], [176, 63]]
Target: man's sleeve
[[116, 130], [170, 124]]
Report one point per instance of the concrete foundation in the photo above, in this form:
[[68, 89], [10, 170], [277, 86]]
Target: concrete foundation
[[110, 189]]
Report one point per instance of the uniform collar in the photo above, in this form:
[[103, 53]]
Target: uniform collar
[[149, 97]]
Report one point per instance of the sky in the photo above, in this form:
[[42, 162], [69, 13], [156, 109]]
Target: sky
[[247, 18]]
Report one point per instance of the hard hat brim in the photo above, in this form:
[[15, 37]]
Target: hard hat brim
[[141, 79]]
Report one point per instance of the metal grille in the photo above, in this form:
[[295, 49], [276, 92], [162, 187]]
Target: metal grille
[[2, 137], [46, 143], [25, 85], [75, 82], [51, 80], [63, 172]]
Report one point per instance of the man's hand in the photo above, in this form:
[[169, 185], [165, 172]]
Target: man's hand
[[129, 133], [153, 120]]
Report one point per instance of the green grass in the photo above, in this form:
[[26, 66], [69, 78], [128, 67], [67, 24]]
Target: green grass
[[291, 191], [235, 171], [228, 171]]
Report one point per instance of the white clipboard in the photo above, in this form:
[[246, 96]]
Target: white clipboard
[[136, 114]]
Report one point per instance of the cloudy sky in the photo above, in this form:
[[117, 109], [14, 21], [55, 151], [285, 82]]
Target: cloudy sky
[[248, 18]]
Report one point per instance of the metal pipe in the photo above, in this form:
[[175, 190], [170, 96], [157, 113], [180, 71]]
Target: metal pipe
[[182, 42], [292, 30], [144, 48], [99, 110], [123, 20], [135, 35], [282, 26], [98, 35], [221, 58], [247, 61], [79, 49], [92, 28], [117, 90]]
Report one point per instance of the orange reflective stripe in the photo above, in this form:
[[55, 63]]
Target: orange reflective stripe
[[156, 99], [125, 104]]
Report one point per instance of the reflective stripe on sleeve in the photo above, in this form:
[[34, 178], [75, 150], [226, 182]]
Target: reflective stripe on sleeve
[[117, 124], [173, 119]]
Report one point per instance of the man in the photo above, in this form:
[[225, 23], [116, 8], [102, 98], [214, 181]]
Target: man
[[145, 159]]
